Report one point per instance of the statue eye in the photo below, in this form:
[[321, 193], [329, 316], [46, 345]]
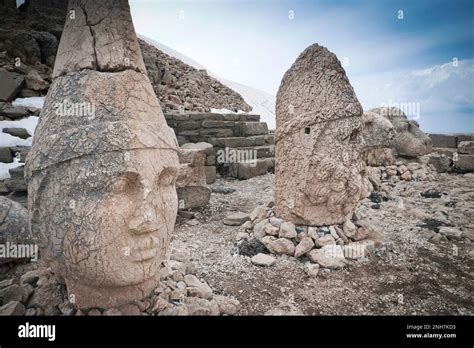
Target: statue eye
[[122, 183], [167, 177], [119, 185]]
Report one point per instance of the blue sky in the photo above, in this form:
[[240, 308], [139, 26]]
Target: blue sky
[[425, 59]]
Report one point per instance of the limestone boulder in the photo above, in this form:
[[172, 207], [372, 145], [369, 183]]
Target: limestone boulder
[[11, 85], [14, 227]]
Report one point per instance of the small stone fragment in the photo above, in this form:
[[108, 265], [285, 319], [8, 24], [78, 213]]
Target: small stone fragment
[[263, 260]]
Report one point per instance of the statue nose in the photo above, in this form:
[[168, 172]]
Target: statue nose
[[144, 220]]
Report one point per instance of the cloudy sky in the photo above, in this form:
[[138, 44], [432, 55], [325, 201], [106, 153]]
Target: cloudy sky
[[417, 54]]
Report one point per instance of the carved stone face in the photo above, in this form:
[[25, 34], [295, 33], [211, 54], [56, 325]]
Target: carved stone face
[[110, 216]]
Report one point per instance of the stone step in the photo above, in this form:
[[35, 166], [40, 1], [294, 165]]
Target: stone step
[[265, 151], [256, 140], [207, 116], [249, 170], [218, 129]]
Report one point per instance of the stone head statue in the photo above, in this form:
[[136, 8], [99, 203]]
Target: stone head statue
[[320, 176], [102, 169], [379, 134], [409, 140]]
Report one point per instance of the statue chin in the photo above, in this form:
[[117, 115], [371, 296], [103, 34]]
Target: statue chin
[[86, 296]]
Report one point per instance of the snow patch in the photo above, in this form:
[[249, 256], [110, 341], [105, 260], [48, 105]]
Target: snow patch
[[5, 167], [7, 140], [36, 102]]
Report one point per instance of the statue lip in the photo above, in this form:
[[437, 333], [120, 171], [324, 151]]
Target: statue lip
[[144, 254], [146, 251]]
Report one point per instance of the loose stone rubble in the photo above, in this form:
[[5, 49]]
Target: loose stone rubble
[[327, 246], [179, 292]]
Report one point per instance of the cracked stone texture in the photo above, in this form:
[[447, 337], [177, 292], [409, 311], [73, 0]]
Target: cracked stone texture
[[101, 181], [378, 133], [191, 185], [13, 223], [98, 38], [320, 175], [409, 140]]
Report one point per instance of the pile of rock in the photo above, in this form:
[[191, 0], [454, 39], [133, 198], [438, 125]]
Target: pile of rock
[[325, 246], [180, 292], [400, 170], [179, 86], [29, 38]]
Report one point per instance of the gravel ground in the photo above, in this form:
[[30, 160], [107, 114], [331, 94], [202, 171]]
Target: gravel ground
[[409, 274]]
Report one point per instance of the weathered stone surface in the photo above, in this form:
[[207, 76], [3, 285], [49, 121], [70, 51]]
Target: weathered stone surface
[[326, 240], [466, 147], [304, 246], [451, 232], [250, 128], [108, 175], [409, 140], [236, 219], [378, 133], [279, 245], [256, 140], [312, 269], [20, 151], [17, 132], [6, 155], [329, 256], [203, 146], [35, 82], [464, 163], [16, 182], [11, 85], [440, 162], [247, 170], [320, 175], [13, 223], [211, 174], [287, 230], [191, 184], [100, 38], [263, 260], [196, 287], [13, 308], [14, 112]]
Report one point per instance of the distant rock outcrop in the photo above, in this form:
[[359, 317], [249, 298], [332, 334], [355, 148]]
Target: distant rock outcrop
[[29, 38], [180, 86]]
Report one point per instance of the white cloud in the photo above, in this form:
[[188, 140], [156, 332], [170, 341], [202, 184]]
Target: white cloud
[[444, 93]]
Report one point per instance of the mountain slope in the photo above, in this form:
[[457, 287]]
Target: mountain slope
[[262, 103]]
